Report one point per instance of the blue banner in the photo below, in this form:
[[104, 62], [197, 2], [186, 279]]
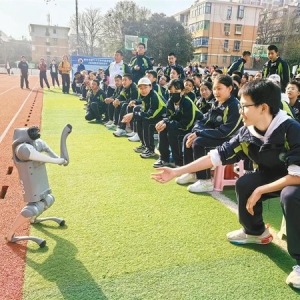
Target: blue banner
[[92, 63]]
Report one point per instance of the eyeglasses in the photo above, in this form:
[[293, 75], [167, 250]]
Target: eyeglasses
[[291, 89], [241, 107]]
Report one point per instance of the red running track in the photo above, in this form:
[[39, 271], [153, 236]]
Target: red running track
[[19, 108]]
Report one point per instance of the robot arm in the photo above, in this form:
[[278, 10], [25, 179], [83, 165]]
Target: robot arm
[[42, 146], [28, 152]]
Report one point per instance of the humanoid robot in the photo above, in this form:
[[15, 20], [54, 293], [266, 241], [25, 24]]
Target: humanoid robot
[[30, 162]]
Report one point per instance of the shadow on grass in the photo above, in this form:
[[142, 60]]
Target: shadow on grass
[[279, 256], [62, 267]]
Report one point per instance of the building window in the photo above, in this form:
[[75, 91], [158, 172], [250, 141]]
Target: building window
[[241, 12], [203, 57], [201, 42], [54, 30], [225, 45], [226, 27], [201, 9], [47, 32], [208, 8], [236, 46], [54, 41], [238, 29], [224, 60], [201, 25], [229, 12]]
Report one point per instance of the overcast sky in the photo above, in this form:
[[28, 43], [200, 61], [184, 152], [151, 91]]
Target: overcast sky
[[16, 15]]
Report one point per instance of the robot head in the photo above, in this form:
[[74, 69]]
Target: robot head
[[26, 135]]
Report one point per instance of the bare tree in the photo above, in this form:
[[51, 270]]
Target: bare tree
[[115, 20], [90, 31]]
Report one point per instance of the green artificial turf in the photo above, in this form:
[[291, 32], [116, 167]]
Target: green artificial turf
[[128, 237]]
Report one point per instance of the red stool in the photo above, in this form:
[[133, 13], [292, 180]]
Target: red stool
[[225, 176]]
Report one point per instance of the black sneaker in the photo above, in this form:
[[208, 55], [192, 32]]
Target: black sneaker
[[140, 149], [147, 153], [161, 163]]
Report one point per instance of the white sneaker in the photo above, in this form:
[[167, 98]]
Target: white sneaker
[[130, 134], [186, 178], [109, 123], [111, 127], [134, 138], [294, 278], [119, 132], [201, 186], [239, 237]]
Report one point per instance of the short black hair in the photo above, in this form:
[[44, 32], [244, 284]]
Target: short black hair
[[120, 52], [246, 53], [97, 81], [238, 73], [190, 80], [208, 84], [218, 71], [118, 76], [142, 44], [197, 75], [236, 78], [273, 47], [224, 79], [177, 84], [295, 82], [172, 54], [152, 72], [76, 73], [127, 75], [263, 91], [176, 69]]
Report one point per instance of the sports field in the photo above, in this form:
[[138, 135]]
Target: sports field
[[126, 236]]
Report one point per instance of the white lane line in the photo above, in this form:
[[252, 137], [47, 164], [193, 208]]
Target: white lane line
[[15, 116], [9, 90]]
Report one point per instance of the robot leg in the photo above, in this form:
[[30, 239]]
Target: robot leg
[[48, 201], [29, 211]]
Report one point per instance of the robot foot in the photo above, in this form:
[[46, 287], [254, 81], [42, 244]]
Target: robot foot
[[59, 221], [40, 242]]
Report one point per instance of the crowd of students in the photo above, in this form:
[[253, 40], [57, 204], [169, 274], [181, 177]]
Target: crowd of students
[[205, 119]]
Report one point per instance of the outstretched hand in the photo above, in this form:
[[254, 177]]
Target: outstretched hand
[[165, 175]]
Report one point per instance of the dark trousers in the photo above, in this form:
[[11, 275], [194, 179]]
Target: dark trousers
[[95, 111], [290, 204], [84, 91], [65, 83], [8, 71], [43, 77], [24, 77], [200, 147], [145, 129], [73, 86], [54, 77], [171, 138], [110, 107], [125, 109]]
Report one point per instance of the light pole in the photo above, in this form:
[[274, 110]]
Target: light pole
[[77, 29]]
